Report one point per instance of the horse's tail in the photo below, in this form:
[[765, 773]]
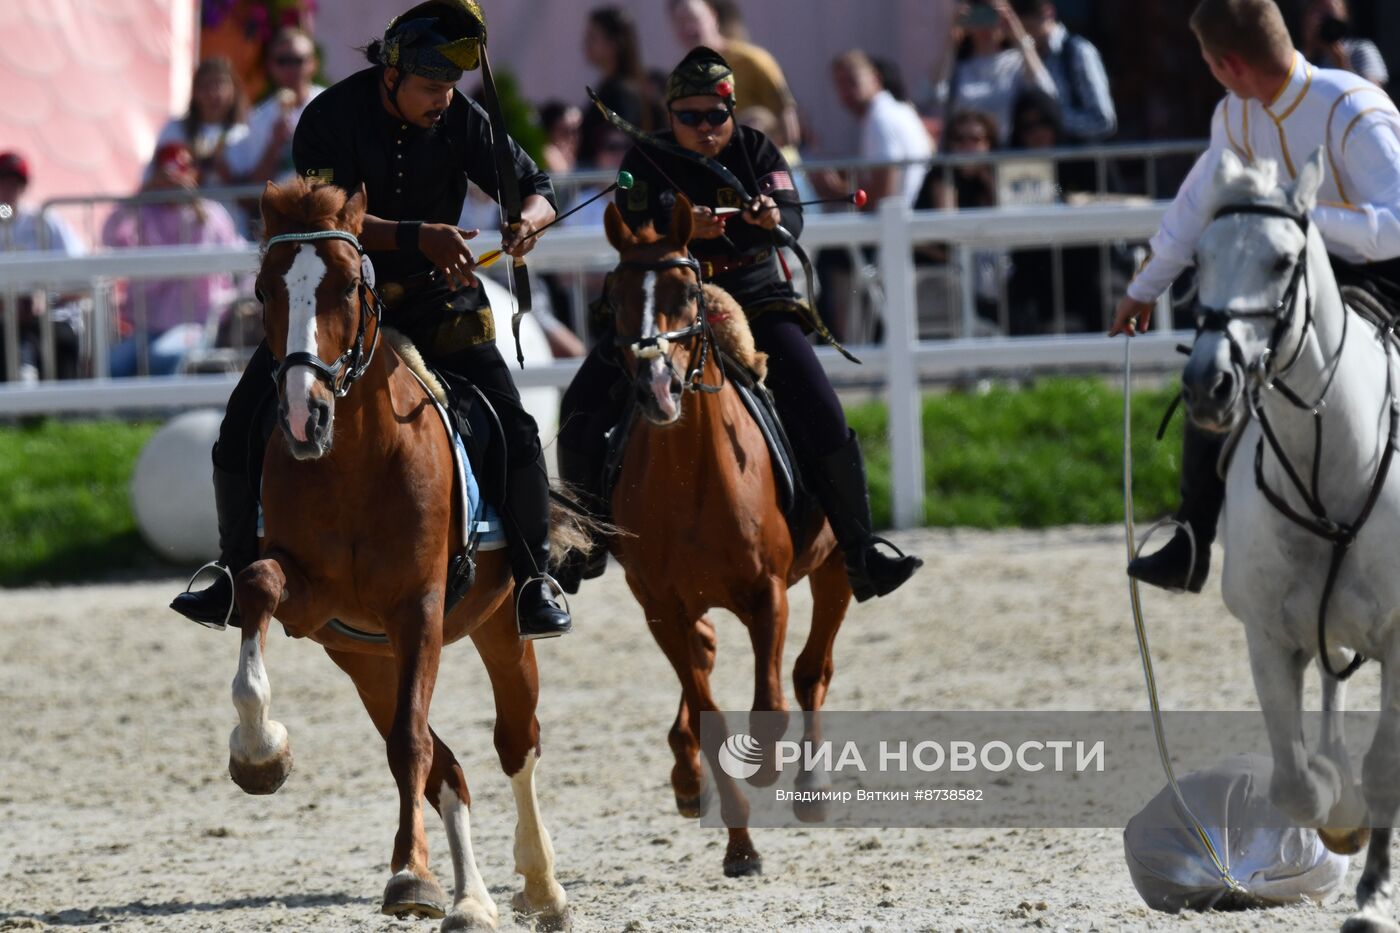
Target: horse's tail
[[572, 528]]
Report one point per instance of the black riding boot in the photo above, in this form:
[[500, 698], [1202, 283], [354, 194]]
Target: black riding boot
[[238, 547], [839, 482], [1202, 494], [583, 472], [526, 519]]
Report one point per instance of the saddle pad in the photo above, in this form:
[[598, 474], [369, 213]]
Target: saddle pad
[[480, 520]]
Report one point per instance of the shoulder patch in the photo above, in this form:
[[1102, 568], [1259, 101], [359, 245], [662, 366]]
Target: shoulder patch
[[323, 175]]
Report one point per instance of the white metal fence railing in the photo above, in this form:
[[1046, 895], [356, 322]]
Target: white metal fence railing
[[899, 364]]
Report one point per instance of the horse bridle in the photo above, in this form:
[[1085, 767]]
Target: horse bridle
[[650, 348], [1340, 534], [347, 368]]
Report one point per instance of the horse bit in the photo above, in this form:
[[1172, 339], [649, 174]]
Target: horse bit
[[1341, 534], [347, 368], [659, 345]]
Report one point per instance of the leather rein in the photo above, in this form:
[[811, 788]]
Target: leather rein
[[1340, 534], [340, 374]]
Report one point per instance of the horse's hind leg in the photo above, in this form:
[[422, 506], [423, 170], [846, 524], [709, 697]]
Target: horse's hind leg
[[811, 674], [376, 680], [687, 777], [515, 682], [259, 754], [1375, 893]]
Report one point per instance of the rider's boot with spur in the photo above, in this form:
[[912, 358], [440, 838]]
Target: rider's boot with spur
[[1202, 494], [214, 605], [526, 520], [839, 482], [583, 472]]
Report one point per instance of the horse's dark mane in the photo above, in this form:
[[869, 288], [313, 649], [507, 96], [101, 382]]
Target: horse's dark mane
[[301, 207]]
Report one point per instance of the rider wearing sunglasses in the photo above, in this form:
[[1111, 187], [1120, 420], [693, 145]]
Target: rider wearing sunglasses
[[736, 252]]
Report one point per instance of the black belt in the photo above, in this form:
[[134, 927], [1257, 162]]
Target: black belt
[[711, 269]]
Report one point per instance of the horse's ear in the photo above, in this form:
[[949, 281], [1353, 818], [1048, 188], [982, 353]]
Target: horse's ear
[[1303, 194], [272, 218], [1229, 169], [682, 221], [619, 234], [352, 215]]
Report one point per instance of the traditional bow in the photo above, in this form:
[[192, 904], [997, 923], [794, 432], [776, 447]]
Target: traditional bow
[[508, 192], [781, 234]]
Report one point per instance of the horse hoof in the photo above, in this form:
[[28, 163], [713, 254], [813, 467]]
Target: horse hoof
[[810, 811], [1344, 841], [407, 895], [1367, 921], [743, 866], [559, 918], [262, 778], [468, 916], [692, 808]]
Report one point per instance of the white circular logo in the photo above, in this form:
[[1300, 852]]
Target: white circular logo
[[740, 756]]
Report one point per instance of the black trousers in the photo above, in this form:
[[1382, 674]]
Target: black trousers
[[811, 412]]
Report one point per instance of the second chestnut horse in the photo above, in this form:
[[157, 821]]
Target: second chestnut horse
[[697, 502]]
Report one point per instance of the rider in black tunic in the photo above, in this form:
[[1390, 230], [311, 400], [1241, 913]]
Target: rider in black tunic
[[740, 257], [399, 129]]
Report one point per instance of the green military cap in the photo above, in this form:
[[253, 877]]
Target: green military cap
[[702, 72]]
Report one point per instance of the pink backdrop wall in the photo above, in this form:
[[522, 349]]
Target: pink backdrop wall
[[85, 86], [539, 40]]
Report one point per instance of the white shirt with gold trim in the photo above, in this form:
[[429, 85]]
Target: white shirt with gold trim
[[1358, 212]]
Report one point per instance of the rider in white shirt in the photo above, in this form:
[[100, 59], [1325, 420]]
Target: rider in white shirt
[[1283, 108]]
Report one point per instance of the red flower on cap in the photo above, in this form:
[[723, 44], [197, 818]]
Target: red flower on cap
[[175, 156], [12, 163], [724, 89]]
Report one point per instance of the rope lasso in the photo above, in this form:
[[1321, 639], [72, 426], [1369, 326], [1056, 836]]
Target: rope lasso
[[1220, 865]]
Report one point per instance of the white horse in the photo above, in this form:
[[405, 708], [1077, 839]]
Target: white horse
[[1277, 345]]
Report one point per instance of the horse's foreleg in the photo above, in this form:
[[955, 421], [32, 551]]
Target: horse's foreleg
[[811, 674], [515, 683], [1305, 788], [259, 754], [687, 778], [417, 644], [1375, 893], [376, 680], [766, 618], [676, 636], [1346, 831]]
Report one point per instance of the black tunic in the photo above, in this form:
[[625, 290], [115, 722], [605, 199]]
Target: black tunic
[[346, 137], [756, 162]]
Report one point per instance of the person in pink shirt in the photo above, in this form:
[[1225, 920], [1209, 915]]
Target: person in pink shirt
[[162, 320]]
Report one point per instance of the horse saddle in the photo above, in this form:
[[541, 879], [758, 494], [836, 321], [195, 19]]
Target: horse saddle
[[799, 506]]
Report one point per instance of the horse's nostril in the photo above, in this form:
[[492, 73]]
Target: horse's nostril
[[1224, 387]]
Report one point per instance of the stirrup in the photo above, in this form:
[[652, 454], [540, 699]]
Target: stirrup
[[876, 539], [1190, 537], [559, 592], [233, 594]]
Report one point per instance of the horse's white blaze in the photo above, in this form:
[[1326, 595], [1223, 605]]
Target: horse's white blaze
[[534, 852], [304, 276], [658, 369], [468, 886], [256, 739]]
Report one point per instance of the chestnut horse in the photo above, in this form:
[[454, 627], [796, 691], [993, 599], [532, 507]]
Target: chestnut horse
[[361, 531], [698, 503]]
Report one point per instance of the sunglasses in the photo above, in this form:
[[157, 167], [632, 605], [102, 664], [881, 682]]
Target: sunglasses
[[694, 118], [290, 61]]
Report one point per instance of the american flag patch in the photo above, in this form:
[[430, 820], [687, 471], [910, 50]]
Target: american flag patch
[[778, 181]]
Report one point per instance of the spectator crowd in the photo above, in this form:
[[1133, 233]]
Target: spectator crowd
[[1016, 79]]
